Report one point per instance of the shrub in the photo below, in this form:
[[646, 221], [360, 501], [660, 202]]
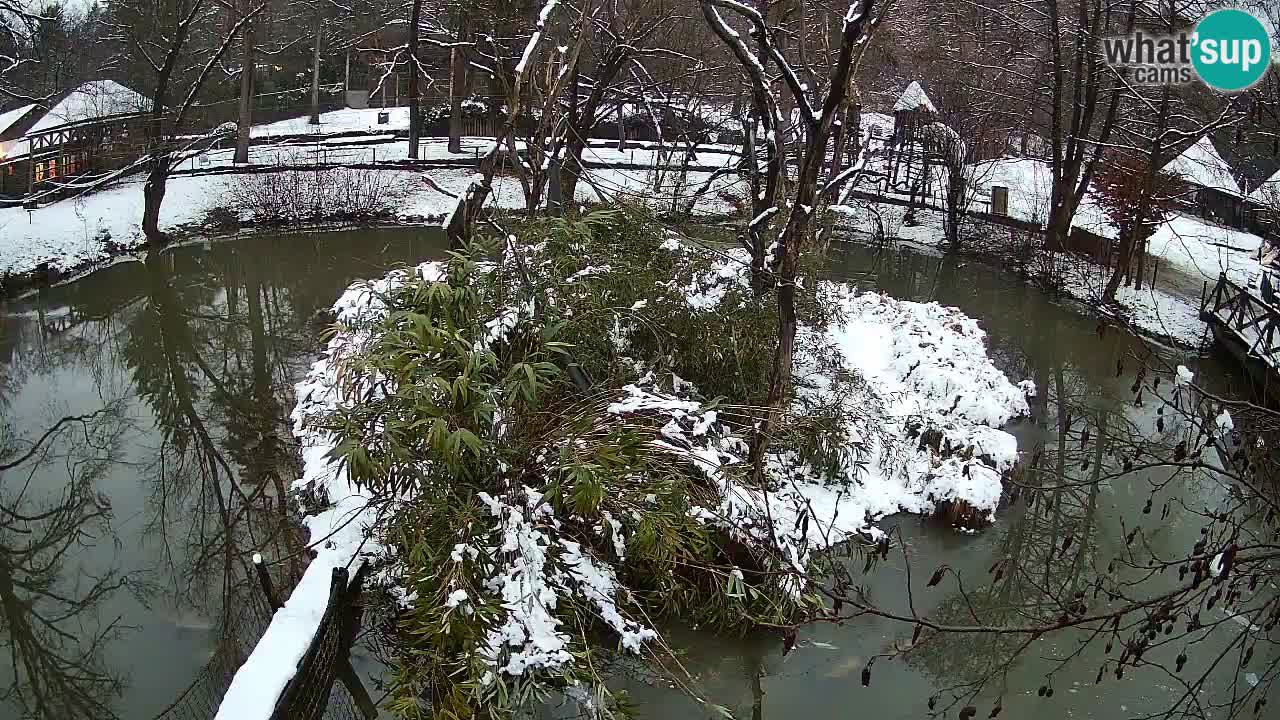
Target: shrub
[[291, 196]]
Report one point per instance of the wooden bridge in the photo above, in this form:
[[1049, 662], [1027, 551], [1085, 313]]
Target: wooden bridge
[[1245, 326]]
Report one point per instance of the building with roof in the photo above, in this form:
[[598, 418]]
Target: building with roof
[[94, 127], [1213, 192], [1265, 202]]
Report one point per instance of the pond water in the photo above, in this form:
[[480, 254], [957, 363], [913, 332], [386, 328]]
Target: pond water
[[1075, 366], [125, 584]]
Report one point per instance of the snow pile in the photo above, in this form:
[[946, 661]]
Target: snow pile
[[1185, 376], [926, 371], [931, 356], [943, 402], [530, 588], [927, 376], [340, 532], [707, 289]]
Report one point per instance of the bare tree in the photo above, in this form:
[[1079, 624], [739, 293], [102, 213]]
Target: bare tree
[[817, 124], [18, 23], [170, 38], [460, 222]]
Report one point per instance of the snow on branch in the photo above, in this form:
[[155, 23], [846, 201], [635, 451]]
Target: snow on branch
[[543, 16], [458, 221], [799, 90]]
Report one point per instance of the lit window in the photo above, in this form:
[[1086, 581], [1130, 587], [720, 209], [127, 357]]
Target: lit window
[[40, 172]]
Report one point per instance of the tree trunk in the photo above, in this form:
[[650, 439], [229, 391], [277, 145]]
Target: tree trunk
[[415, 111], [1140, 252], [457, 85], [315, 72], [837, 144], [247, 71], [153, 197]]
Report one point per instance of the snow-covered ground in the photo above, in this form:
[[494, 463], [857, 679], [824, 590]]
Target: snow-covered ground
[[1195, 246], [348, 151], [72, 233], [345, 120], [1156, 311]]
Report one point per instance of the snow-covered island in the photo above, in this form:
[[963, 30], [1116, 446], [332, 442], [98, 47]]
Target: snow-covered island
[[565, 523]]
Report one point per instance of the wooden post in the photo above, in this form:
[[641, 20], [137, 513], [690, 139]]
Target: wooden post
[[264, 581]]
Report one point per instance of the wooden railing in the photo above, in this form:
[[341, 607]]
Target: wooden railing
[[1247, 316]]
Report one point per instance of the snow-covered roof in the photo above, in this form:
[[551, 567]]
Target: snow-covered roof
[[1269, 188], [1201, 165], [914, 98], [1268, 193], [91, 101], [12, 116]]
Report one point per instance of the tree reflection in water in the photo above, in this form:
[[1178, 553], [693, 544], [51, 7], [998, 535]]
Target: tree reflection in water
[[51, 637], [202, 345]]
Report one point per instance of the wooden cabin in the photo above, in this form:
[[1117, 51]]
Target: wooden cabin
[[1213, 192], [94, 128]]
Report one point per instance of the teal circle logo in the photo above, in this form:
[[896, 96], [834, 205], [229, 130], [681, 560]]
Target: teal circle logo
[[1232, 50]]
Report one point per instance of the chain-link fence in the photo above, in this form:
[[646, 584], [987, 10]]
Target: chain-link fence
[[246, 619]]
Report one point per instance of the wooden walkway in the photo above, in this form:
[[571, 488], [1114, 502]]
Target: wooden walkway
[[1246, 326]]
